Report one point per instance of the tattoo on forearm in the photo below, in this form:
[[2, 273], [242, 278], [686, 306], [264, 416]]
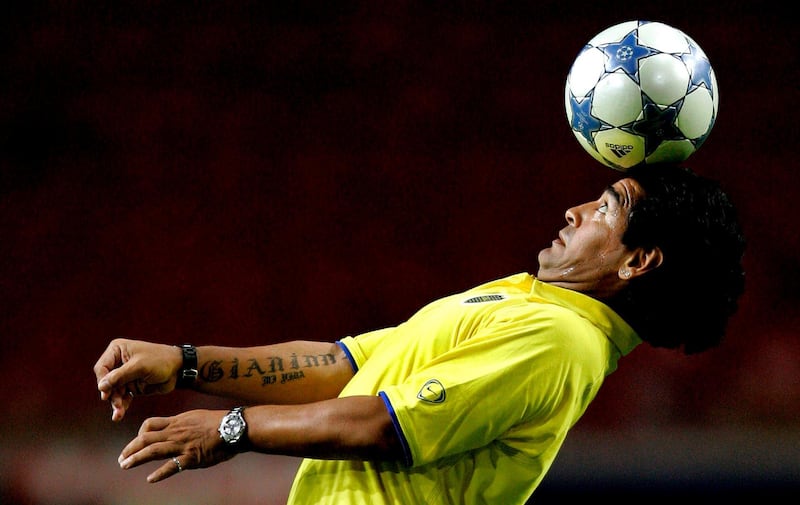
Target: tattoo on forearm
[[271, 370]]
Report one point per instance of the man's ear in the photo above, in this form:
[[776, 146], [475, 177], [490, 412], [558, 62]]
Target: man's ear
[[643, 260]]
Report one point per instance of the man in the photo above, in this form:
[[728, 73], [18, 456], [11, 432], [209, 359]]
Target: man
[[469, 400]]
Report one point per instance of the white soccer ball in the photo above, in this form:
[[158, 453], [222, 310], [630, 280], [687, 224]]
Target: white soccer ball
[[641, 92]]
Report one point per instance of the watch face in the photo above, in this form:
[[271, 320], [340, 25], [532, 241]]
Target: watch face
[[232, 428]]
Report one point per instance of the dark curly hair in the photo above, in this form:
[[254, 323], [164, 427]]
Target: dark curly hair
[[686, 302]]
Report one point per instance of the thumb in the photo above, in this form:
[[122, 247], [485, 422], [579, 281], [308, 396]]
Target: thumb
[[127, 377]]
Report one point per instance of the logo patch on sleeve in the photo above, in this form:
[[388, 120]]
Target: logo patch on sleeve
[[432, 392], [485, 298]]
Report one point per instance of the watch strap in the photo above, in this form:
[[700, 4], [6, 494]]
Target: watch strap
[[187, 375]]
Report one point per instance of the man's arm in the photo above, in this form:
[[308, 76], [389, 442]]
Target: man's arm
[[356, 427], [286, 373]]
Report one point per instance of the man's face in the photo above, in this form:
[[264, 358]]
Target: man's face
[[588, 254]]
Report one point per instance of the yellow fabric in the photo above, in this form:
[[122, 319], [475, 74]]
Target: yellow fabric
[[484, 386]]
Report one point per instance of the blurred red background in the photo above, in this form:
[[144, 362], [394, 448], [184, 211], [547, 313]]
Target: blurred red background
[[243, 173]]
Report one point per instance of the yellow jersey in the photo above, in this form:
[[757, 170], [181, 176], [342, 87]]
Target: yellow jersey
[[482, 386]]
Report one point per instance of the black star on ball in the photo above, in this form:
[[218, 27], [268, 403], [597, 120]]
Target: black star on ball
[[657, 125]]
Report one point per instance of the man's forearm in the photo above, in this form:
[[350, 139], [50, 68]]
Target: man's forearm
[[355, 427], [285, 373]]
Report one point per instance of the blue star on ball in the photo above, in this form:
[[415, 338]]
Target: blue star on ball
[[699, 68], [582, 119], [625, 55]]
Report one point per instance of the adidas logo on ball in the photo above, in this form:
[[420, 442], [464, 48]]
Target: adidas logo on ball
[[618, 150]]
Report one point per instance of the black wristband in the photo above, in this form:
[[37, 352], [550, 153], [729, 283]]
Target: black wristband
[[188, 372]]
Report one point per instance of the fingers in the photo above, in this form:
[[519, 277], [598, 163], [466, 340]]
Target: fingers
[[124, 375], [170, 467], [152, 443], [106, 370], [131, 365], [110, 359], [188, 440], [115, 368], [121, 400]]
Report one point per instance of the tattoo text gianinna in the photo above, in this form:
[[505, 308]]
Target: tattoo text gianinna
[[271, 371]]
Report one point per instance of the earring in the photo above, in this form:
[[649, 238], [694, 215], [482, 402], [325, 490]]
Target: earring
[[625, 273]]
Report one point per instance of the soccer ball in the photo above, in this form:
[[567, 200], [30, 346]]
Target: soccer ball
[[641, 92]]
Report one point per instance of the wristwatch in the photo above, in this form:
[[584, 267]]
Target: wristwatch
[[233, 429], [188, 372]]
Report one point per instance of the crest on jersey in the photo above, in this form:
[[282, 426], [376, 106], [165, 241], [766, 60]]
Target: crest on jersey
[[432, 392]]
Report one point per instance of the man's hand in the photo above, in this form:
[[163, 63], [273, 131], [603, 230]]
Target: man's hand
[[188, 440], [129, 368]]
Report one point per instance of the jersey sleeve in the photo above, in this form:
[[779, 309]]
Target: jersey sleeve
[[360, 348], [521, 372]]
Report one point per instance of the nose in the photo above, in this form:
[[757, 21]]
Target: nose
[[572, 216]]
